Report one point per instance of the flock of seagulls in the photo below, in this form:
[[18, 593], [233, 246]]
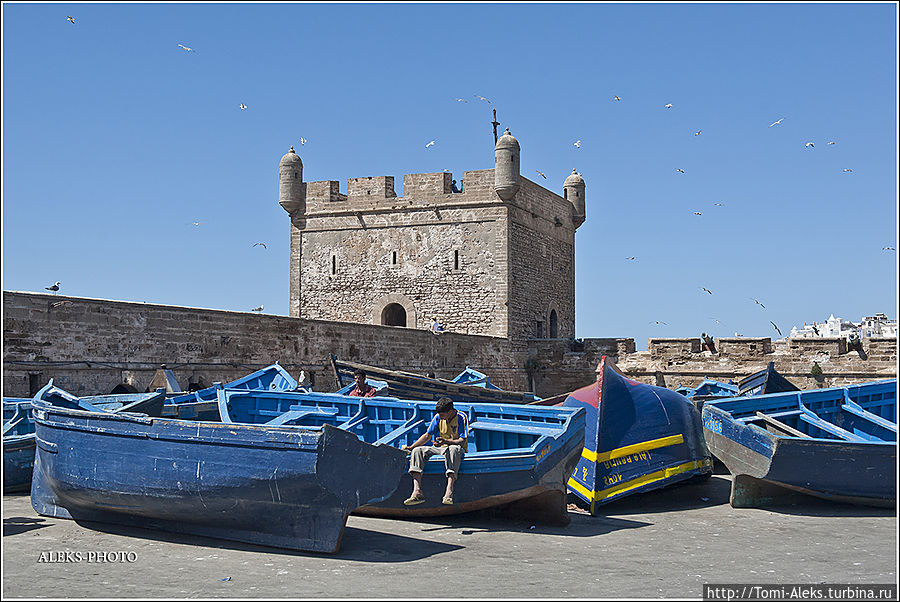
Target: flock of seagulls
[[243, 107]]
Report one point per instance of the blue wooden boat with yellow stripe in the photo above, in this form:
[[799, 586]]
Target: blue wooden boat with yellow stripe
[[272, 484], [519, 457], [638, 437], [838, 444]]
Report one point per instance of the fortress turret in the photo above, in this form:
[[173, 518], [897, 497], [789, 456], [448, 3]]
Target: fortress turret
[[290, 182], [506, 166], [573, 191]]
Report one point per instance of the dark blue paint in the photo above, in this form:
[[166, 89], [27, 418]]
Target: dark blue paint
[[280, 486], [845, 451]]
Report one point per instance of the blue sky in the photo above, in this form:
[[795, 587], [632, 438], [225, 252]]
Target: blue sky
[[115, 139]]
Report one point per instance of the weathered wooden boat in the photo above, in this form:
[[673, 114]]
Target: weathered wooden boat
[[203, 405], [18, 427], [709, 388], [764, 382], [638, 437], [18, 444], [273, 485], [838, 444], [517, 455], [406, 385]]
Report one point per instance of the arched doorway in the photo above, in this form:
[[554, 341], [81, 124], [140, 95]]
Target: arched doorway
[[393, 314], [123, 388], [553, 321]]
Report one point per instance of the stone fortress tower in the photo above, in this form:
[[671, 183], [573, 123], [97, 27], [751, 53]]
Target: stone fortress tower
[[496, 259]]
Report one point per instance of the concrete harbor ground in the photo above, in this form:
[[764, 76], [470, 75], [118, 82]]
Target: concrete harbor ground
[[663, 544]]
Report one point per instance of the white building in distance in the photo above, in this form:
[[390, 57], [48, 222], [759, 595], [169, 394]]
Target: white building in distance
[[871, 326]]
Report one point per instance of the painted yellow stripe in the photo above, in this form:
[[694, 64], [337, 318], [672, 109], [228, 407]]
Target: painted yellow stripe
[[649, 478], [632, 449], [573, 484]]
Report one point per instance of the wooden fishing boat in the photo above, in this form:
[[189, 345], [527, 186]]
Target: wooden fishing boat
[[638, 437], [764, 382], [406, 385], [18, 444], [838, 444], [18, 427], [287, 487], [518, 457], [202, 404]]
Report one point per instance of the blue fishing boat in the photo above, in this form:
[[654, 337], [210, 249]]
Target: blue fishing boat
[[518, 457], [18, 444], [838, 444], [287, 487], [709, 388], [202, 404], [764, 382], [406, 385], [638, 437], [18, 427]]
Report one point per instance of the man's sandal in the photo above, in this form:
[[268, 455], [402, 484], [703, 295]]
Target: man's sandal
[[412, 501], [448, 501]]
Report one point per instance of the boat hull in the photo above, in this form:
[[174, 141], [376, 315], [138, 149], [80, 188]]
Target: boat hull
[[532, 487], [767, 468], [289, 488], [18, 462], [638, 438]]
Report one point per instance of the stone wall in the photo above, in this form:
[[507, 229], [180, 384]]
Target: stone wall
[[686, 362], [89, 346]]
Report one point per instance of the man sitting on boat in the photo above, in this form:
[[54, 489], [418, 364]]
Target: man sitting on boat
[[450, 430], [362, 387]]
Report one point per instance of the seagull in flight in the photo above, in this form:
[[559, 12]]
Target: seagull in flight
[[832, 142], [697, 213], [715, 320], [669, 106], [706, 289], [195, 224], [630, 258], [302, 140], [260, 243], [810, 145], [697, 133], [430, 144], [882, 248], [71, 19], [616, 98], [483, 98], [778, 122], [243, 107], [461, 100], [758, 303], [776, 328], [186, 48], [815, 330], [577, 143], [540, 173], [678, 169], [847, 170], [260, 308], [659, 322], [719, 204], [53, 287]]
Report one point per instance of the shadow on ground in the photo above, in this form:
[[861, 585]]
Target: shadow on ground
[[356, 544], [581, 525], [691, 494], [15, 525], [716, 490]]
